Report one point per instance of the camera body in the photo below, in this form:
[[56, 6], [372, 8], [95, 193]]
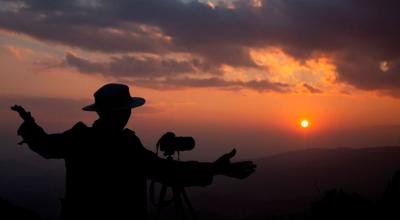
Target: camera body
[[169, 143]]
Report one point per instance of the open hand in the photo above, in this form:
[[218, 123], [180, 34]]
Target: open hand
[[239, 170], [26, 116]]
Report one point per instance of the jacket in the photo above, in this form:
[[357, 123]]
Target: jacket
[[106, 172]]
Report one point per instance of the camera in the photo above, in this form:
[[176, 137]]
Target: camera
[[169, 143]]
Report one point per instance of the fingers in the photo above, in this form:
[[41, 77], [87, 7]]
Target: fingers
[[243, 169], [245, 165], [26, 116], [226, 157], [231, 154], [21, 111], [16, 108]]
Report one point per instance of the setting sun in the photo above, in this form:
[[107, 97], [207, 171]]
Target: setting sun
[[304, 123]]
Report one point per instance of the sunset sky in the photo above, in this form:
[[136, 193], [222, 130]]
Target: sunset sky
[[240, 73]]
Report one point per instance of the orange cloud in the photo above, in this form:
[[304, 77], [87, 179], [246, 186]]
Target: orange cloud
[[318, 72]]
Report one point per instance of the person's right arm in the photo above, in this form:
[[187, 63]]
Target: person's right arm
[[47, 145]]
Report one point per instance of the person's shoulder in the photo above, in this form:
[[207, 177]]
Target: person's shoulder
[[77, 130], [131, 135], [79, 127], [129, 132]]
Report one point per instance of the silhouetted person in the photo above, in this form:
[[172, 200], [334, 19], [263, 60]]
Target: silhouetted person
[[390, 203], [11, 211], [107, 165]]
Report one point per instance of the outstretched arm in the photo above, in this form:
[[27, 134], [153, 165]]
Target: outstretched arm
[[46, 145], [238, 170], [176, 173], [193, 173]]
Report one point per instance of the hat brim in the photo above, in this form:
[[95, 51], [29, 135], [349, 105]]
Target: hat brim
[[135, 102]]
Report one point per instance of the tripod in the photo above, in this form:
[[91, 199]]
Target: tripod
[[181, 201]]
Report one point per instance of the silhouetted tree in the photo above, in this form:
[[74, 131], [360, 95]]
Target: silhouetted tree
[[338, 204], [390, 204]]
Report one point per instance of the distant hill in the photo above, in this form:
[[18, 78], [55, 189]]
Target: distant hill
[[282, 183], [34, 184], [290, 181]]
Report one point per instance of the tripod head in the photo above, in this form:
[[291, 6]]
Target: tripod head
[[170, 144]]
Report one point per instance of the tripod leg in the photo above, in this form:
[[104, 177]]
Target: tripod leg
[[161, 201], [180, 210], [189, 205]]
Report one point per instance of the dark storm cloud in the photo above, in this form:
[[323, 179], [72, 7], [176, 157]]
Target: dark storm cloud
[[369, 73], [213, 82], [367, 31], [132, 66], [93, 37]]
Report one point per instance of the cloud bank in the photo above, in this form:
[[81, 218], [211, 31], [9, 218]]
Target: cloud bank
[[357, 35]]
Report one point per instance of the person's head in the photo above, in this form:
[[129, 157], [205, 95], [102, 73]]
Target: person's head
[[114, 119], [113, 104]]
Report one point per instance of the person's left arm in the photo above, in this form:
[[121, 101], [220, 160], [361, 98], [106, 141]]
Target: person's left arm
[[177, 173], [192, 173]]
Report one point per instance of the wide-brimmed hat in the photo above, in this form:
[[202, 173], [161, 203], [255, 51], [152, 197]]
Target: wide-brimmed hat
[[114, 96]]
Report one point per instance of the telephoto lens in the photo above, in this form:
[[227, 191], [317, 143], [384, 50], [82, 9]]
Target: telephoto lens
[[169, 143], [184, 143]]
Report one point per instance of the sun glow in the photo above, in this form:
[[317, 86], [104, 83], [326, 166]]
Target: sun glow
[[304, 123]]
